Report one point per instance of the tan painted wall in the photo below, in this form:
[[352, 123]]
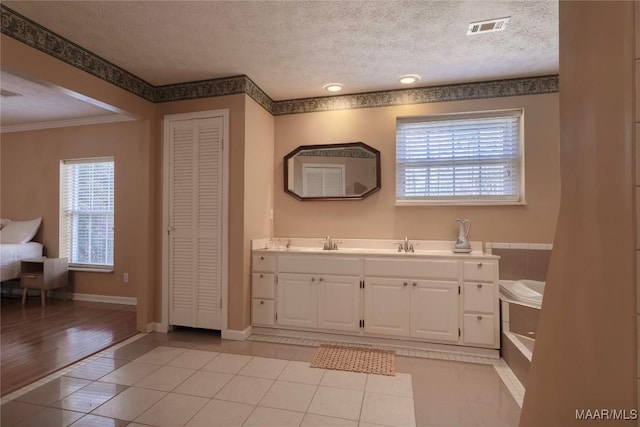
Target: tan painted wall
[[378, 217], [585, 355], [30, 188], [24, 61], [238, 295], [258, 187]]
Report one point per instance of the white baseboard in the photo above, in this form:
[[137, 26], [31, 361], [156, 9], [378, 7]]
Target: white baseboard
[[157, 327], [97, 298], [235, 335]]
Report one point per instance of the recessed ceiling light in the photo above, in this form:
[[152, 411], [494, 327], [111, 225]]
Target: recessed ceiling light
[[408, 79], [332, 87]]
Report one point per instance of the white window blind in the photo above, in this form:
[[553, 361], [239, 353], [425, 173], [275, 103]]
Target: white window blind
[[86, 212], [475, 158]]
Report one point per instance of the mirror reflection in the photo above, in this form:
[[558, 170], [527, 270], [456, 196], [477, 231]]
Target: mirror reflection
[[332, 172]]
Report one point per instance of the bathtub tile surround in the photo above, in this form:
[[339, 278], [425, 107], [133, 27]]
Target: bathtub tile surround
[[522, 260]]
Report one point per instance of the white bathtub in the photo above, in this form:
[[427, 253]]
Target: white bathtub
[[528, 292]]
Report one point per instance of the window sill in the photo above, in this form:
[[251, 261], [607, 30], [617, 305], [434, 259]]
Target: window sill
[[91, 269], [460, 203]]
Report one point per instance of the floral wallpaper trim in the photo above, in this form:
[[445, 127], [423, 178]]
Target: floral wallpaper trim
[[424, 95], [30, 33]]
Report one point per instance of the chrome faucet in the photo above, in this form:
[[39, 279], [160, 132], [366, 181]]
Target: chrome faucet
[[405, 246], [329, 245]]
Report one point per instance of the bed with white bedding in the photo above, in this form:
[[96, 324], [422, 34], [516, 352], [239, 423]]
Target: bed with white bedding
[[16, 245], [12, 253]]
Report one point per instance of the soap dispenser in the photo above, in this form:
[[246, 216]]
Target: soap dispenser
[[462, 244]]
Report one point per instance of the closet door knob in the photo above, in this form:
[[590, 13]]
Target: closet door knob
[[262, 258], [313, 279], [479, 317], [321, 279], [261, 302], [261, 276], [479, 265], [479, 285], [405, 284], [415, 284]]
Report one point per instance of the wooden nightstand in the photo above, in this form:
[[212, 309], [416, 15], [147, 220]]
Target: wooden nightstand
[[43, 274]]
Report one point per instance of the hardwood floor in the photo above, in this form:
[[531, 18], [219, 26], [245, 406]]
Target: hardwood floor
[[36, 341]]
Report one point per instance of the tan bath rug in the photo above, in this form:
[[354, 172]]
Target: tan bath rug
[[356, 359]]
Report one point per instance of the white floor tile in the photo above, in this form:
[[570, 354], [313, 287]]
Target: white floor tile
[[227, 363], [204, 384], [398, 385], [245, 390], [301, 372], [218, 413], [172, 410], [160, 355], [130, 373], [344, 379], [388, 410], [313, 420], [193, 359], [165, 379], [263, 367], [289, 396], [336, 402], [268, 417], [129, 404]]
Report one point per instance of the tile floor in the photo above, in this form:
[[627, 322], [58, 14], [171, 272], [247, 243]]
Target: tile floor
[[193, 378]]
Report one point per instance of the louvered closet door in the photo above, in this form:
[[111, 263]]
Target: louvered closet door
[[195, 203]]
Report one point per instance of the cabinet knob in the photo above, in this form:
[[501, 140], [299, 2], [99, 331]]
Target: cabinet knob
[[262, 258], [405, 284], [479, 265], [261, 302], [415, 284], [321, 279], [261, 276], [479, 285], [313, 279], [479, 317]]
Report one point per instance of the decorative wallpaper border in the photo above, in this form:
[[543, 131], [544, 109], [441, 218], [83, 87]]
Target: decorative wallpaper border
[[35, 35], [424, 95], [30, 33]]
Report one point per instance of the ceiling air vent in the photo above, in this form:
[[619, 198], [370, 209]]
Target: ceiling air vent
[[7, 93], [489, 26]]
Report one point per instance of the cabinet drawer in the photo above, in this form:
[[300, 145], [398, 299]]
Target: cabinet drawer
[[262, 312], [337, 265], [30, 280], [479, 296], [262, 285], [485, 271], [478, 329], [422, 269], [264, 263]]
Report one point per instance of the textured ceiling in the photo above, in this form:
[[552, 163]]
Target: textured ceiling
[[292, 48], [40, 103]]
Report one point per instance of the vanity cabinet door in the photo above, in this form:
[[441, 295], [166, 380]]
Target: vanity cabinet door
[[339, 302], [297, 300], [434, 310], [387, 305]]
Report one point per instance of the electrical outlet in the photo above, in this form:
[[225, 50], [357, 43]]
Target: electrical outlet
[[125, 277]]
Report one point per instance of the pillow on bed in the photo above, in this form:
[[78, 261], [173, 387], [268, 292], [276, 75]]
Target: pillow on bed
[[19, 231]]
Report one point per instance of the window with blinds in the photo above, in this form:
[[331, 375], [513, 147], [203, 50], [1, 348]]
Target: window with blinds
[[86, 212], [460, 159]]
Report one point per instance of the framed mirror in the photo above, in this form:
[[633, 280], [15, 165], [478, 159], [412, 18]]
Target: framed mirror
[[349, 171]]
